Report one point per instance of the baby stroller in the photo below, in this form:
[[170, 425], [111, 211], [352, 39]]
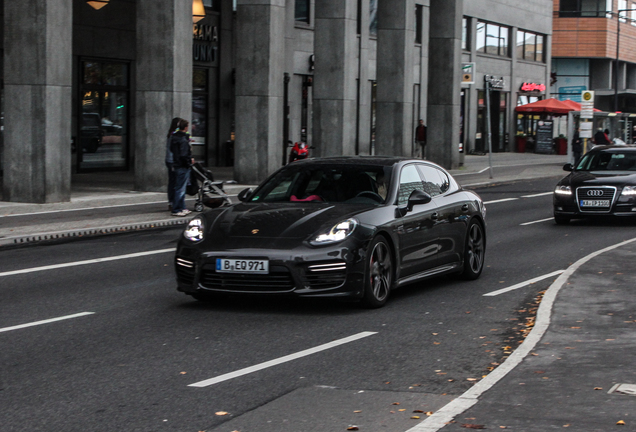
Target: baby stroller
[[208, 192]]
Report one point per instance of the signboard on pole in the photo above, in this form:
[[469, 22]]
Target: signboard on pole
[[468, 73], [585, 130], [587, 104]]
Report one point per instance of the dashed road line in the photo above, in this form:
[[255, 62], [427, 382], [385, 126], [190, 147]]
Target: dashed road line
[[523, 284], [47, 321], [281, 360], [537, 221]]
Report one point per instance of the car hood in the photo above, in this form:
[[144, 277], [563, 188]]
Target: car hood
[[584, 178], [277, 220]]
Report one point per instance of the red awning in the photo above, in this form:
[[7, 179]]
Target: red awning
[[546, 106]]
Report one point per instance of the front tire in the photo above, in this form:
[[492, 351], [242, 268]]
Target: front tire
[[378, 274], [474, 251], [561, 220]]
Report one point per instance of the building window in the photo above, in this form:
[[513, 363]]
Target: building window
[[492, 39], [622, 13], [301, 11], [418, 23], [465, 34], [530, 46], [373, 18], [585, 8]]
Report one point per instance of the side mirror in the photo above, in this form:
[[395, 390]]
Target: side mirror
[[417, 197], [245, 194], [568, 167]]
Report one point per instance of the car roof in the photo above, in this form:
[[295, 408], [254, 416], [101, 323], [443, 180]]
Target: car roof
[[615, 148], [356, 160]]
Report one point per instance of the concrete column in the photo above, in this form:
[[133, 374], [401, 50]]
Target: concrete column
[[164, 84], [364, 91], [444, 89], [226, 84], [260, 60], [335, 47], [37, 100], [396, 41]]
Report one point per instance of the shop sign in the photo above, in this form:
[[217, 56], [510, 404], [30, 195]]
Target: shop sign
[[205, 38], [530, 87], [496, 83]]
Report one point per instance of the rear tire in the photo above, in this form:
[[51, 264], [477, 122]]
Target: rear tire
[[474, 251], [378, 274]]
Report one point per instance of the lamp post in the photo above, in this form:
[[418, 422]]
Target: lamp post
[[618, 33]]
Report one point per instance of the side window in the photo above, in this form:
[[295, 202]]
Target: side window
[[410, 180], [436, 182]]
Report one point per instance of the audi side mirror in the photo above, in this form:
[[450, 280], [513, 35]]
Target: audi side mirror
[[568, 167]]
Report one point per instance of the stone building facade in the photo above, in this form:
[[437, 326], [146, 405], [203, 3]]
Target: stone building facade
[[87, 89]]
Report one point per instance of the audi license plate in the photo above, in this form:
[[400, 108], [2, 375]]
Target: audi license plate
[[224, 265], [595, 203]]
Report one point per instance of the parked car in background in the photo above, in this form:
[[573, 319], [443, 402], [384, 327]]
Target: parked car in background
[[91, 132], [602, 184], [344, 227]]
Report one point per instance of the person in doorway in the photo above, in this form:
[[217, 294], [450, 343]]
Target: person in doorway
[[420, 138], [577, 147], [600, 138], [170, 161], [180, 147]]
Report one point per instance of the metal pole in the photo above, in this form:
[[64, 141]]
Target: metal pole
[[488, 127], [618, 33]]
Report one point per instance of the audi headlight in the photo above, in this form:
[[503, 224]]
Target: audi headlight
[[195, 230], [629, 190], [337, 233], [563, 190]]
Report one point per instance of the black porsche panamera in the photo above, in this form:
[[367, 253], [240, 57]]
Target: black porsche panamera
[[602, 184], [344, 227]]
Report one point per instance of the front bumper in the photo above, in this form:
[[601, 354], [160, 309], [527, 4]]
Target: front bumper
[[335, 271]]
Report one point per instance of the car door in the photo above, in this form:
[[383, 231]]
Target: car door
[[418, 243], [450, 223]]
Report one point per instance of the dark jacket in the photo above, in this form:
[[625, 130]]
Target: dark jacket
[[180, 147], [600, 138]]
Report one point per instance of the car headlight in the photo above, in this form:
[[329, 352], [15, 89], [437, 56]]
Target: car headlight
[[337, 233], [563, 190], [195, 230], [629, 190]]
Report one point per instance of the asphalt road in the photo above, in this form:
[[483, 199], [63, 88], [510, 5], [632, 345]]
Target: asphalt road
[[128, 362]]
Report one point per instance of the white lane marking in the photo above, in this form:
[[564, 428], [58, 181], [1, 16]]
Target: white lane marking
[[79, 263], [523, 284], [80, 209], [441, 417], [537, 221], [47, 321], [469, 173], [268, 364], [537, 195], [500, 200]]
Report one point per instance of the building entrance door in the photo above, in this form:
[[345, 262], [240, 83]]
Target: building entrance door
[[102, 142]]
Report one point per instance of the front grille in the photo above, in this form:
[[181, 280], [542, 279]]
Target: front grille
[[324, 276], [279, 279], [185, 271], [604, 193]]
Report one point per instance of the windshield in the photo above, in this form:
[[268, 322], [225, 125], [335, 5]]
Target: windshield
[[608, 161], [361, 184]]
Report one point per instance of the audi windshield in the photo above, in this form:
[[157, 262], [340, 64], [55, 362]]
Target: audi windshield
[[608, 161]]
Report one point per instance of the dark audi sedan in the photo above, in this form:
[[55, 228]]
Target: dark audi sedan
[[603, 183], [346, 227]]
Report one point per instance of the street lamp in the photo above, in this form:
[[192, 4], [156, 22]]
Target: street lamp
[[618, 33]]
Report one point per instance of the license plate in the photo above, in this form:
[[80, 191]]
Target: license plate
[[595, 203], [224, 265]]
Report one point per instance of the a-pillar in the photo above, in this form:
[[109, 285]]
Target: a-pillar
[[444, 85], [335, 45], [37, 100], [164, 84], [260, 75], [396, 40]]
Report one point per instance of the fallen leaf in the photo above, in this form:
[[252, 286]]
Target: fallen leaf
[[353, 428], [473, 426], [620, 423], [221, 413], [402, 409], [358, 411], [429, 413], [575, 327], [183, 373], [418, 411], [471, 379], [598, 388], [415, 417], [436, 343]]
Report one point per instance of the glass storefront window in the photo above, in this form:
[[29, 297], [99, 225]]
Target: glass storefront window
[[492, 39], [103, 122]]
